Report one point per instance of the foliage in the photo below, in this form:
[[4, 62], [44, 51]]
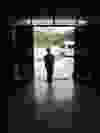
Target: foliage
[[47, 39]]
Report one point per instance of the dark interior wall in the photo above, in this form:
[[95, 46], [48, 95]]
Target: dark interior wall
[[24, 41], [15, 19], [21, 114], [11, 19]]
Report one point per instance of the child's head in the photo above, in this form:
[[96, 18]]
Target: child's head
[[48, 50]]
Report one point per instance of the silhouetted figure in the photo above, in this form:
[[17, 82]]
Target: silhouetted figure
[[49, 64]]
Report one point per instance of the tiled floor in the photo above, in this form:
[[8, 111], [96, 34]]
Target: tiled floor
[[62, 89]]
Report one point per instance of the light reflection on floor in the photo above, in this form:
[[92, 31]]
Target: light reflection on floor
[[62, 90]]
